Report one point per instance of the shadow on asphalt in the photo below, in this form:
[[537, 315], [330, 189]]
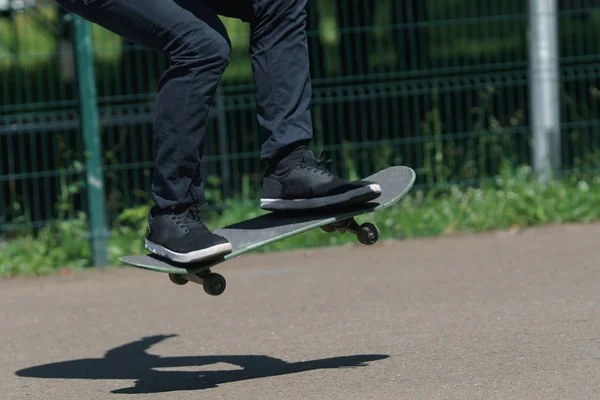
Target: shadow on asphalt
[[132, 361]]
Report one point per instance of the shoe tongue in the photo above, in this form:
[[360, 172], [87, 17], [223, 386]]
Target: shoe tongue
[[309, 157]]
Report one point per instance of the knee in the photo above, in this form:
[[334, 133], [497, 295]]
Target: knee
[[208, 47], [218, 49]]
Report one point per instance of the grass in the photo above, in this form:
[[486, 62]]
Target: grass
[[513, 199]]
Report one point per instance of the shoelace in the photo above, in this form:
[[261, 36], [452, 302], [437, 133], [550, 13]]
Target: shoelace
[[318, 165], [193, 212], [182, 219]]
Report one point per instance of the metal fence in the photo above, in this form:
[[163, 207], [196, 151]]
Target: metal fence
[[452, 88]]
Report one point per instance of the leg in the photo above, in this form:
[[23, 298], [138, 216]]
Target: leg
[[280, 62], [198, 47], [279, 57], [294, 178]]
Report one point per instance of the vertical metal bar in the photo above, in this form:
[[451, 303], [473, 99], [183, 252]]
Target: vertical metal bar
[[91, 136], [223, 142], [544, 92]]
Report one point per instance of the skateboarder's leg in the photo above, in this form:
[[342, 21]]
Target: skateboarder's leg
[[279, 58], [280, 62], [198, 47]]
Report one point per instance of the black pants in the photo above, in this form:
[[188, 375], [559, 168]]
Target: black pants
[[191, 34]]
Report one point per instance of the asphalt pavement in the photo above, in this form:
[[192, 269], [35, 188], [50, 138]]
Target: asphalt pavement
[[503, 315]]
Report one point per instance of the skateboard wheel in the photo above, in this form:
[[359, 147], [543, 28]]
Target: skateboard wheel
[[368, 234], [178, 279], [214, 284]]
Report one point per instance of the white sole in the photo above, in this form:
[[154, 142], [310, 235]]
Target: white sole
[[370, 191], [194, 256]]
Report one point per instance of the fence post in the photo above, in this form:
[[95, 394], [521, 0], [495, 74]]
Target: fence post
[[84, 55], [544, 87]]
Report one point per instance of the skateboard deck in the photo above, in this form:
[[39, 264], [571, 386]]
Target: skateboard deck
[[254, 233]]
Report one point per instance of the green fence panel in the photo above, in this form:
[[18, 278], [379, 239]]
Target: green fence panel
[[439, 85], [41, 166]]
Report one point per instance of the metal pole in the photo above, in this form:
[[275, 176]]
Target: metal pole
[[544, 87], [91, 134]]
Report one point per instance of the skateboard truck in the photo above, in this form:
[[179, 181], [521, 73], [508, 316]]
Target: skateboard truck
[[366, 233], [213, 284]]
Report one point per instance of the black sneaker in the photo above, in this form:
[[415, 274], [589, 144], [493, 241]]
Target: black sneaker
[[307, 184], [179, 235]]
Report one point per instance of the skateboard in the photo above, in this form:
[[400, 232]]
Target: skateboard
[[254, 233]]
